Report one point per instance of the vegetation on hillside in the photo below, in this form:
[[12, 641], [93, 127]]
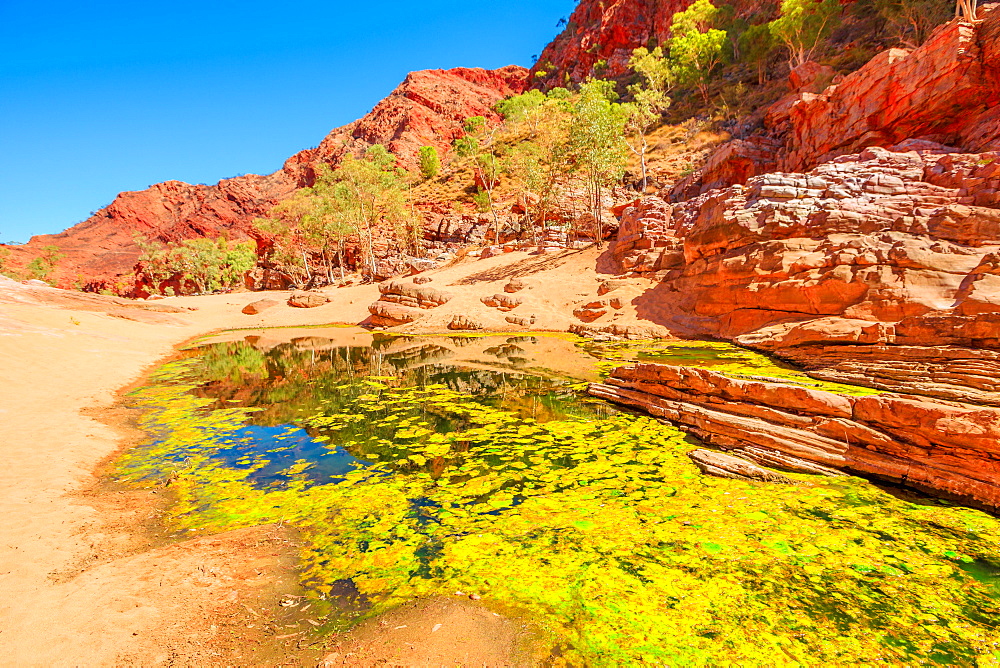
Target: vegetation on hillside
[[558, 152], [195, 265]]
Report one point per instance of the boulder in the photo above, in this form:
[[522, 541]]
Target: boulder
[[595, 309], [610, 286], [307, 299], [523, 321], [727, 466], [389, 314], [514, 285], [502, 301], [413, 295], [253, 308], [464, 322]]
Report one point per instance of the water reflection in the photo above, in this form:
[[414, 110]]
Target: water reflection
[[287, 380]]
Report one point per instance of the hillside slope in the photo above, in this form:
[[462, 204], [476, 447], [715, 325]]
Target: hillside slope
[[427, 109]]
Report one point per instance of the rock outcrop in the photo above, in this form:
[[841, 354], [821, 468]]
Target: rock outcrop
[[403, 302], [901, 243], [307, 299], [946, 91], [722, 465], [427, 109], [259, 306], [609, 30], [944, 448]]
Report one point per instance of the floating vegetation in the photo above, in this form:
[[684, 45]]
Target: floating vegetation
[[422, 469]]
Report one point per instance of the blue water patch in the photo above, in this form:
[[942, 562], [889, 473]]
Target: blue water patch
[[282, 446]]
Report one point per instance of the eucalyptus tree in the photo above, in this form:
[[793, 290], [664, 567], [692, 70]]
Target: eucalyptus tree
[[597, 146], [803, 24]]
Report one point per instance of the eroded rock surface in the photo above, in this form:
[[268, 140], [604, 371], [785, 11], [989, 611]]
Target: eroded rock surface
[[727, 466], [904, 240], [306, 299], [946, 448]]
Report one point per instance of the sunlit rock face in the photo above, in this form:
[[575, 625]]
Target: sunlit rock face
[[942, 447], [946, 91], [608, 31]]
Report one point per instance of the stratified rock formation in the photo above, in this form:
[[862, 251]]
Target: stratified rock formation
[[403, 302], [857, 236], [899, 245], [427, 109], [941, 447]]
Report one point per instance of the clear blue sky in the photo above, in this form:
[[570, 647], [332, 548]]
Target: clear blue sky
[[100, 97]]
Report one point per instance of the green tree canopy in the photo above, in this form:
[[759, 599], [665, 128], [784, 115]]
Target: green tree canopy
[[597, 143], [206, 264], [430, 162], [802, 26], [757, 43], [695, 46]]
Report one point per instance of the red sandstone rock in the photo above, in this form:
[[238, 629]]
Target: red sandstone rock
[[610, 30], [727, 466], [387, 314], [862, 238], [514, 285], [523, 321], [502, 302], [945, 448], [464, 322], [412, 295], [303, 299], [253, 308]]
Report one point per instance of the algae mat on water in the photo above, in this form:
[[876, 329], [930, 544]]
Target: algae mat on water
[[592, 523]]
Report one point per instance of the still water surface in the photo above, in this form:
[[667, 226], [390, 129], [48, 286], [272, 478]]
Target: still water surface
[[418, 466]]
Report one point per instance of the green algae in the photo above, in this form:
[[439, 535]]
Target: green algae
[[595, 525]]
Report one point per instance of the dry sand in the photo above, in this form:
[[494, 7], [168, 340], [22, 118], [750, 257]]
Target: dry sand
[[88, 579]]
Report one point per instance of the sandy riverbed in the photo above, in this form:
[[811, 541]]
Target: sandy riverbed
[[87, 577]]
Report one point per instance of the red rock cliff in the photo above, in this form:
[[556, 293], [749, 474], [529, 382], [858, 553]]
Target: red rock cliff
[[610, 30], [428, 108]]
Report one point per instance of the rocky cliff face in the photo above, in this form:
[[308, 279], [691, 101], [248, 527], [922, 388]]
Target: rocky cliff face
[[858, 236], [427, 109], [946, 91], [609, 30]]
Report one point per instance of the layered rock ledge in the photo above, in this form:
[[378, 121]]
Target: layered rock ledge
[[945, 448]]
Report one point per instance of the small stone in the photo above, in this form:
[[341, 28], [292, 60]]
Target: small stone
[[514, 285], [610, 286]]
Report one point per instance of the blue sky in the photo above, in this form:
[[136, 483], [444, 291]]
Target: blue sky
[[100, 97]]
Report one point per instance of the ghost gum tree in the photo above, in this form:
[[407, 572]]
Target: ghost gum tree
[[695, 46], [597, 149], [649, 100], [538, 158], [803, 24], [359, 199], [204, 264]]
